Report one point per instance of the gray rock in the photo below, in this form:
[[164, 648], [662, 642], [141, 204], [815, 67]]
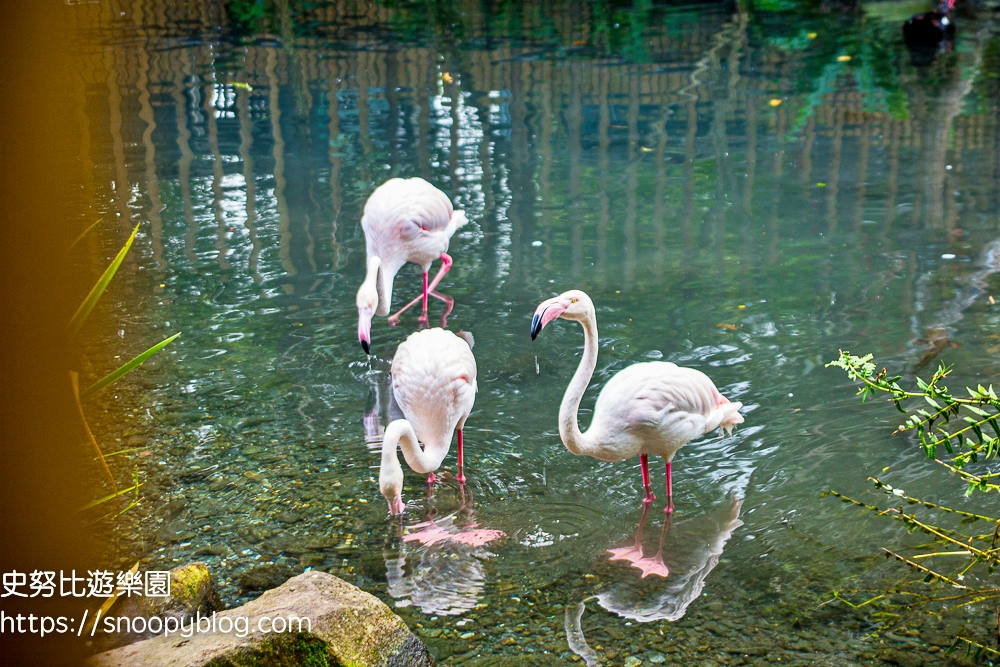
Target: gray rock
[[265, 576], [346, 626], [902, 658], [192, 592]]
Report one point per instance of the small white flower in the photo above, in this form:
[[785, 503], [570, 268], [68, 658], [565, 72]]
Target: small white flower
[[898, 492]]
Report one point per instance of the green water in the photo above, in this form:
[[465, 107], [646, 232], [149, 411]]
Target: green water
[[732, 196]]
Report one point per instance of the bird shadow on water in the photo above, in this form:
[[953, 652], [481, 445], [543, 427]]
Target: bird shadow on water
[[670, 580], [437, 565]]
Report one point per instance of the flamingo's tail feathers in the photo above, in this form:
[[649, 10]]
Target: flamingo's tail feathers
[[726, 416], [732, 417], [458, 220], [467, 337]]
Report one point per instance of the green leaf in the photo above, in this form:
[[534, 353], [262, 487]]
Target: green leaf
[[126, 368], [84, 232], [95, 503], [81, 314], [996, 427], [932, 402]]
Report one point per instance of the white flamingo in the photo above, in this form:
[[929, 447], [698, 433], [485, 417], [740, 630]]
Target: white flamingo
[[434, 382], [648, 408], [405, 220]]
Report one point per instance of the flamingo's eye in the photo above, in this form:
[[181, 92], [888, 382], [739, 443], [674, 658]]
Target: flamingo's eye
[[573, 300]]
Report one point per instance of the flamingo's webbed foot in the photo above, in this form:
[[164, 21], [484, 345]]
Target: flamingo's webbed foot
[[654, 566], [631, 554]]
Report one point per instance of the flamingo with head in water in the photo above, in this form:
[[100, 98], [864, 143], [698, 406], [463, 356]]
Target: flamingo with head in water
[[405, 220], [434, 382], [648, 408]]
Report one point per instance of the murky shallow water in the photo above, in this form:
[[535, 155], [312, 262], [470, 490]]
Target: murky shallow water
[[733, 194]]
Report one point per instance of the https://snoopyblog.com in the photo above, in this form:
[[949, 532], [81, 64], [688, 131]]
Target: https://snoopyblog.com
[[111, 586]]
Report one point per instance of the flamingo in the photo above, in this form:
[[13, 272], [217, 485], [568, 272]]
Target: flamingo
[[434, 382], [928, 29], [405, 220], [648, 408]]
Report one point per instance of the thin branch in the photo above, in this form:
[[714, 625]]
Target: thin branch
[[930, 573]]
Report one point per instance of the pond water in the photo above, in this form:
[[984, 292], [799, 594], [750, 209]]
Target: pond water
[[742, 191]]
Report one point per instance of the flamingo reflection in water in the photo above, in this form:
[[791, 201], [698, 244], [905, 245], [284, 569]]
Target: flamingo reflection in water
[[438, 563], [671, 579], [385, 408]]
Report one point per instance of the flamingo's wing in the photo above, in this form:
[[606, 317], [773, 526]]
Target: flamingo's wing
[[679, 403], [410, 206]]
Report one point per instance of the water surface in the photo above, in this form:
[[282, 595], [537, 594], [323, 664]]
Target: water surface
[[740, 190]]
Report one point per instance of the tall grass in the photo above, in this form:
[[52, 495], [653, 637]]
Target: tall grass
[[75, 325]]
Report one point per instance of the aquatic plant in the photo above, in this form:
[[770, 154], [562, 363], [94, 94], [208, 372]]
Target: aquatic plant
[[959, 426], [75, 324]]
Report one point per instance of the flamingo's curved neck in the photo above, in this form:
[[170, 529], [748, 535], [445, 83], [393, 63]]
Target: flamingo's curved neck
[[569, 429], [379, 276], [420, 460], [372, 276]]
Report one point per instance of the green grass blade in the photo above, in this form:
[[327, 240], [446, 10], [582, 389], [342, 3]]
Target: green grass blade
[[84, 233], [88, 304], [126, 368], [100, 501]]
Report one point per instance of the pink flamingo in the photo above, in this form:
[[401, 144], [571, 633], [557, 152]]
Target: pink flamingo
[[434, 382], [405, 220], [648, 408]]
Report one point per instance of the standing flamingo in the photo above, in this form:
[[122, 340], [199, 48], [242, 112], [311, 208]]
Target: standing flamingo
[[405, 220], [648, 408], [434, 382]]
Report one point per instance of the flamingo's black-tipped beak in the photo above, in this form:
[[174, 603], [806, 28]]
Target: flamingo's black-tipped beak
[[536, 325], [366, 346]]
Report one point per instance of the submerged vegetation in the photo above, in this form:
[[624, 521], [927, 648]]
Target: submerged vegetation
[[960, 557], [75, 324]]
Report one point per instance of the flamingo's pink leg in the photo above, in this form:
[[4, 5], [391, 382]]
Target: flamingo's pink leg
[[445, 267], [423, 312], [670, 491], [431, 478], [449, 304], [394, 319], [644, 464], [446, 263], [461, 460]]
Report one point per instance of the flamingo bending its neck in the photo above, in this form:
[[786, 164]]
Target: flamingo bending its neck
[[648, 408], [405, 220], [434, 382]]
